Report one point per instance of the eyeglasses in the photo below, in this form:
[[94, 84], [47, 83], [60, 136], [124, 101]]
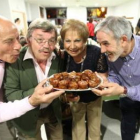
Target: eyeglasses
[[42, 42]]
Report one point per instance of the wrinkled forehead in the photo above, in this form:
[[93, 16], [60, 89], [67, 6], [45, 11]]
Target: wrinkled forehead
[[41, 32], [6, 26], [8, 32]]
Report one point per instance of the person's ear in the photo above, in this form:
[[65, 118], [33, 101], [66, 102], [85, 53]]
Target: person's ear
[[124, 40], [29, 41]]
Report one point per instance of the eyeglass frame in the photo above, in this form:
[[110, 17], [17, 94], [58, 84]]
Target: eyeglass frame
[[44, 41]]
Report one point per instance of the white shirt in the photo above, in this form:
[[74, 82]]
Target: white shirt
[[14, 109], [39, 73], [2, 66]]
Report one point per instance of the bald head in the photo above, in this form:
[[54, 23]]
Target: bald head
[[5, 25], [9, 41]]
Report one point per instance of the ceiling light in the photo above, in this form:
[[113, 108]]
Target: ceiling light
[[103, 9]]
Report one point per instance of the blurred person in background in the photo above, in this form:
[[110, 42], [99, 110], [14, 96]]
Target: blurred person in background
[[137, 29], [23, 41], [19, 26], [90, 26]]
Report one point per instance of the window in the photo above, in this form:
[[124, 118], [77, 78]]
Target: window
[[51, 13], [96, 12], [56, 13]]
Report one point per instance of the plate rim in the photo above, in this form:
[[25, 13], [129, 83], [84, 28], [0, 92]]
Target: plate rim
[[76, 90]]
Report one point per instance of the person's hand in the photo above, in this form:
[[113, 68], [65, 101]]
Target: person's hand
[[72, 98], [109, 89], [44, 94]]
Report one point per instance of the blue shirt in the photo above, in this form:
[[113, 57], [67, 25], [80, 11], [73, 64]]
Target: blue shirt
[[126, 72]]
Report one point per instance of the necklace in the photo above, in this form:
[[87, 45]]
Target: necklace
[[82, 63]]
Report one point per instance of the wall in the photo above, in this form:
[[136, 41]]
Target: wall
[[129, 9], [13, 9], [5, 9], [77, 13], [28, 11], [7, 6], [34, 11], [17, 6]]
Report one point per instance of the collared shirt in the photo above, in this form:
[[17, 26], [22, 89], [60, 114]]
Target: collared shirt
[[39, 73], [126, 72]]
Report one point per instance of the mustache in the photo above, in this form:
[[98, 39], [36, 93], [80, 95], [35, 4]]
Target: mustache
[[44, 50]]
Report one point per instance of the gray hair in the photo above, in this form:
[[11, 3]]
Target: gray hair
[[117, 25], [43, 24]]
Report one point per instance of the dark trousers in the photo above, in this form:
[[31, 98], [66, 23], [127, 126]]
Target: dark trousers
[[130, 111]]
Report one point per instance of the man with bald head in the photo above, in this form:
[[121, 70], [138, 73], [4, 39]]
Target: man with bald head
[[9, 52]]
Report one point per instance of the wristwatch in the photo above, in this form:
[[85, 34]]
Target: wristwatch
[[124, 92]]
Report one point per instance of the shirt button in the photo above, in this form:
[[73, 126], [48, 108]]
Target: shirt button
[[128, 65], [130, 76]]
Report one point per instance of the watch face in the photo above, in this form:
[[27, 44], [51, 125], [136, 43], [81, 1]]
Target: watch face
[[125, 90]]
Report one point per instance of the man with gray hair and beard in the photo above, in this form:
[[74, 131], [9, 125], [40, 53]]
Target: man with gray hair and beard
[[36, 62], [122, 47]]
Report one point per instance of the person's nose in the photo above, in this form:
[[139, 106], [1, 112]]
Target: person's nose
[[72, 45], [103, 49], [17, 45], [46, 44]]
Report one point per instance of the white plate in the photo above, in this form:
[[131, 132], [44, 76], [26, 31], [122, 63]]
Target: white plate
[[47, 83]]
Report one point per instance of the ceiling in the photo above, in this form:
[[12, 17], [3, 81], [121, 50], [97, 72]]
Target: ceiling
[[78, 3]]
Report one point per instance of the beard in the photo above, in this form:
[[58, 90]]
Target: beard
[[113, 56]]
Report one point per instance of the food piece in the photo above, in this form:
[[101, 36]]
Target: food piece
[[87, 72], [92, 83], [84, 77], [93, 76], [73, 85], [54, 82], [58, 76], [83, 84], [63, 84], [72, 74], [65, 75]]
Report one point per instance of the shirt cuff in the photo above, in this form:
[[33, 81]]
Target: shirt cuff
[[27, 104]]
